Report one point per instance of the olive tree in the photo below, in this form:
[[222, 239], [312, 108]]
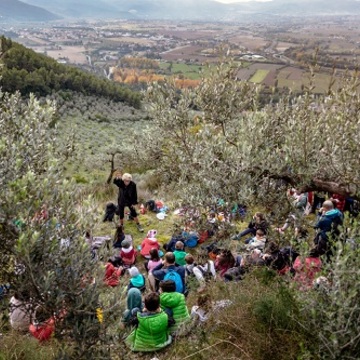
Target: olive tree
[[215, 140], [43, 218]]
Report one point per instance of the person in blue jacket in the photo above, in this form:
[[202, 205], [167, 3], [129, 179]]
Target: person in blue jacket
[[328, 227]]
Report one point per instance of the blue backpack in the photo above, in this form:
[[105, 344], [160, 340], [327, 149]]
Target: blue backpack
[[176, 278], [191, 239]]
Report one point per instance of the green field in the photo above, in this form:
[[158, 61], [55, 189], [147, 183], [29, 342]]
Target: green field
[[189, 71], [259, 76], [192, 71]]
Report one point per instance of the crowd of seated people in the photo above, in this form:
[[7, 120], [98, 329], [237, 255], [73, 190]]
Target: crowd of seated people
[[156, 306]]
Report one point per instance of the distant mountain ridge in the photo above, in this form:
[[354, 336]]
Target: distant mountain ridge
[[193, 10], [15, 10]]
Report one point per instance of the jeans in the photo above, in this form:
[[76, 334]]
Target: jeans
[[244, 232]]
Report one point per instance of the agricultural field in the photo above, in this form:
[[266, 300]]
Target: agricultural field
[[287, 48], [189, 34], [259, 76], [281, 46], [187, 52], [74, 54], [192, 72], [132, 40], [248, 42]]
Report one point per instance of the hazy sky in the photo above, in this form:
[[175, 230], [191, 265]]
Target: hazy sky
[[232, 1]]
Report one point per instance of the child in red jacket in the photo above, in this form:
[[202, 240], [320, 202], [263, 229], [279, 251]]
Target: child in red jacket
[[128, 253], [43, 328], [113, 270], [150, 242]]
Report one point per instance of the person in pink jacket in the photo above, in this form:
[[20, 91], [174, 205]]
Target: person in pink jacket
[[306, 269], [154, 261], [150, 242]]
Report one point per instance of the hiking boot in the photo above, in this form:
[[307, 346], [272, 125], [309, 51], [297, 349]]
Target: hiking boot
[[139, 227]]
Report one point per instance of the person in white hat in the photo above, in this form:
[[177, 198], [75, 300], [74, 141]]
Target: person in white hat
[[127, 197]]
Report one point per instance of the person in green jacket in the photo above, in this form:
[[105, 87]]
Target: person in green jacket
[[179, 253], [174, 304], [151, 332]]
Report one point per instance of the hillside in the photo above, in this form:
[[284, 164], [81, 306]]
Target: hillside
[[304, 7], [11, 10], [195, 10], [28, 72]]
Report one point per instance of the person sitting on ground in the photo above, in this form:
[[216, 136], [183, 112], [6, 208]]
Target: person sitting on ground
[[170, 246], [224, 261], [203, 271], [307, 269], [273, 258], [154, 261], [291, 221], [255, 258], [134, 305], [168, 270], [258, 241], [179, 253], [119, 237], [128, 253], [137, 280], [43, 327], [127, 197], [20, 311], [173, 303], [113, 271], [202, 311], [243, 264], [258, 222], [150, 242], [151, 332]]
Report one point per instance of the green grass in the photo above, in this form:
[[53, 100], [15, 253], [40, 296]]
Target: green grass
[[192, 72], [259, 76]]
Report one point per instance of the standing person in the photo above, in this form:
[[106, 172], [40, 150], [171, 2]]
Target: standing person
[[127, 198]]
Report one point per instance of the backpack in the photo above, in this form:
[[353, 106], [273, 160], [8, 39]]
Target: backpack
[[208, 276], [176, 278], [151, 206], [191, 239], [110, 211]]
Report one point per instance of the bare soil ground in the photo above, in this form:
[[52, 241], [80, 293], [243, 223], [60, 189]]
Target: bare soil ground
[[252, 43], [74, 54]]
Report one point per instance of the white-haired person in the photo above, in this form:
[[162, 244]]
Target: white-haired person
[[127, 197]]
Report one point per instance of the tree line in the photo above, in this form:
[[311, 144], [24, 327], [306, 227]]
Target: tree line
[[28, 72]]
